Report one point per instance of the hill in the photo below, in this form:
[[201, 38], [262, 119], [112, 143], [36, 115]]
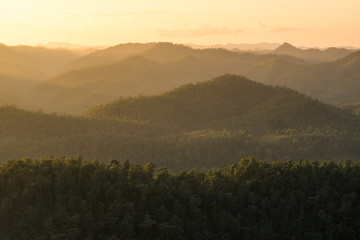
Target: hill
[[204, 125], [312, 54], [108, 55], [226, 98], [52, 59], [17, 64], [331, 82], [12, 89], [23, 67]]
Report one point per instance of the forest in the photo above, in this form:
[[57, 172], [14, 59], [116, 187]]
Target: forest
[[210, 124], [168, 141], [71, 198]]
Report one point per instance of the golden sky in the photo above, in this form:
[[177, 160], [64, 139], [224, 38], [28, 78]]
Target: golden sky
[[320, 23]]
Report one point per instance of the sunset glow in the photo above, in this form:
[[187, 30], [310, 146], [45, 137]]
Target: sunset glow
[[320, 23]]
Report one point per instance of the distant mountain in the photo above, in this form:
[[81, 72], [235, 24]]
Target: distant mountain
[[239, 46], [312, 55], [33, 62], [331, 82], [166, 52], [175, 65], [18, 64], [109, 55], [77, 90], [22, 67], [18, 73], [154, 68], [77, 48], [53, 57], [159, 52]]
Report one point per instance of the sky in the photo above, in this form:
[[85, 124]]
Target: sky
[[312, 23]]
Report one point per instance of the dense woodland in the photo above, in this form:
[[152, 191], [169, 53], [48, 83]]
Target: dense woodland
[[205, 125], [67, 198]]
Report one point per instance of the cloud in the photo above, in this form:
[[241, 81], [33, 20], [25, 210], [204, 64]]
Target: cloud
[[284, 29], [202, 31], [261, 25], [114, 13]]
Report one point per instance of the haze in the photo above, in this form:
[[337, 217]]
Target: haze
[[321, 23]]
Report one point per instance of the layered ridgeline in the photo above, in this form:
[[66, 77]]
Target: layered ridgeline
[[209, 124], [137, 69], [148, 69], [23, 67], [74, 199]]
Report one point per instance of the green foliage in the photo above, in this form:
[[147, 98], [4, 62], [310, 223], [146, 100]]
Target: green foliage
[[68, 198]]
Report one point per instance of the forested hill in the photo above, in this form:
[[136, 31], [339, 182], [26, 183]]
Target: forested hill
[[74, 199], [209, 124], [227, 102]]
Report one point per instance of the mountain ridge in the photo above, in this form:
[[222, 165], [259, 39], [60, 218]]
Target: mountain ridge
[[205, 125]]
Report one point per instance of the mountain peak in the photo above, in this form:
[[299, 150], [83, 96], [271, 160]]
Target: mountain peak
[[287, 49], [285, 46]]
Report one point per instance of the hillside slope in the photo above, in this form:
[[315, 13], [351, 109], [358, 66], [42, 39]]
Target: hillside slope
[[205, 125], [223, 98]]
